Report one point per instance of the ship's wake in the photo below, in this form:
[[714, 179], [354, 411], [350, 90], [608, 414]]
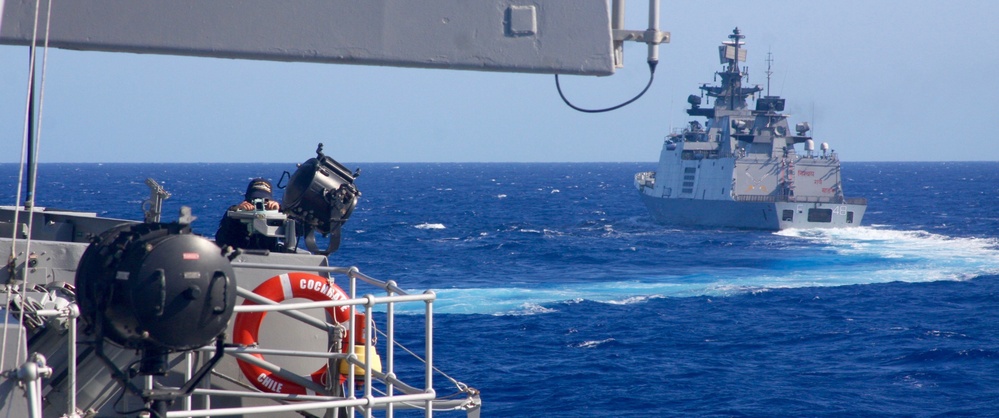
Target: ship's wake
[[836, 257]]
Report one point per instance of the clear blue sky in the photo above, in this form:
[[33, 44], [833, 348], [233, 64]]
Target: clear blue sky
[[878, 81]]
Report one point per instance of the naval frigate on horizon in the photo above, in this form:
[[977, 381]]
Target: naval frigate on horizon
[[741, 169]]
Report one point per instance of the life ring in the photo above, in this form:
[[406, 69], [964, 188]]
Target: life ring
[[279, 288]]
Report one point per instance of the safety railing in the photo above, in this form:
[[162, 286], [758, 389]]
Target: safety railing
[[800, 199], [856, 201], [397, 394], [362, 392]]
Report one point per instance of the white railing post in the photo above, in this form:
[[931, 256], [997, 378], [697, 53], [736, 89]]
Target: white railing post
[[369, 323], [351, 341], [390, 348], [73, 312], [429, 337]]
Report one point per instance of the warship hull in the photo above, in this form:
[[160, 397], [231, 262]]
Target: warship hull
[[752, 215]]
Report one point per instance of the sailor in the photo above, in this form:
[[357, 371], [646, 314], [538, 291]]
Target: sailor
[[234, 233]]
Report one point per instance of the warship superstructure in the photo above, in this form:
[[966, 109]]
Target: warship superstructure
[[741, 169]]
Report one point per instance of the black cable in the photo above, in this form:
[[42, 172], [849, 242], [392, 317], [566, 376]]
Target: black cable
[[121, 395], [652, 75]]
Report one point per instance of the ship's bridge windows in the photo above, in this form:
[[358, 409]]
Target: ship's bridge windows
[[819, 215]]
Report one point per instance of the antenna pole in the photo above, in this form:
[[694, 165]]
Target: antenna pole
[[770, 61], [653, 29], [736, 38], [29, 198]]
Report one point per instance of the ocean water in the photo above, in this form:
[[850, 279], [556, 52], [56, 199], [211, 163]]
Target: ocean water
[[560, 297]]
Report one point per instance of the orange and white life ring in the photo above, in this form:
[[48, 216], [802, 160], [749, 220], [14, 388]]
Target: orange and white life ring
[[279, 288]]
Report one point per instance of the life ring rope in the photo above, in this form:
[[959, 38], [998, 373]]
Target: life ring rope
[[280, 288]]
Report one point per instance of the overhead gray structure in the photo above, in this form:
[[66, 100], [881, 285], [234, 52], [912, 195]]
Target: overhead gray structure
[[539, 36]]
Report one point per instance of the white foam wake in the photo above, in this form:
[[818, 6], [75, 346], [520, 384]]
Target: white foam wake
[[909, 256], [426, 225], [841, 257]]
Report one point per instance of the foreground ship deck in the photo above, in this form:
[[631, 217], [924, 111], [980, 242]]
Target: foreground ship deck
[[741, 169], [154, 301], [61, 368]]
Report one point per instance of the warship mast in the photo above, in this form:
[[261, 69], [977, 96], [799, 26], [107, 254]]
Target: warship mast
[[730, 95]]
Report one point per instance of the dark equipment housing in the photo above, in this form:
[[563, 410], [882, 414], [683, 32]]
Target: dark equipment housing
[[159, 289], [321, 195], [155, 287]]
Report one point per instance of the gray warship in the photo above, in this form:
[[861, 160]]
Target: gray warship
[[741, 168]]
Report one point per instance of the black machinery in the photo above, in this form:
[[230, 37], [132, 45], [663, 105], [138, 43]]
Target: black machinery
[[321, 195], [318, 199], [158, 289]]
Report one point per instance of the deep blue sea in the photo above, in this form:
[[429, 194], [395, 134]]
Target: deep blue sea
[[560, 297]]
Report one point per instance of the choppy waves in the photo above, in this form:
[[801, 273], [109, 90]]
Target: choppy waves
[[832, 258]]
